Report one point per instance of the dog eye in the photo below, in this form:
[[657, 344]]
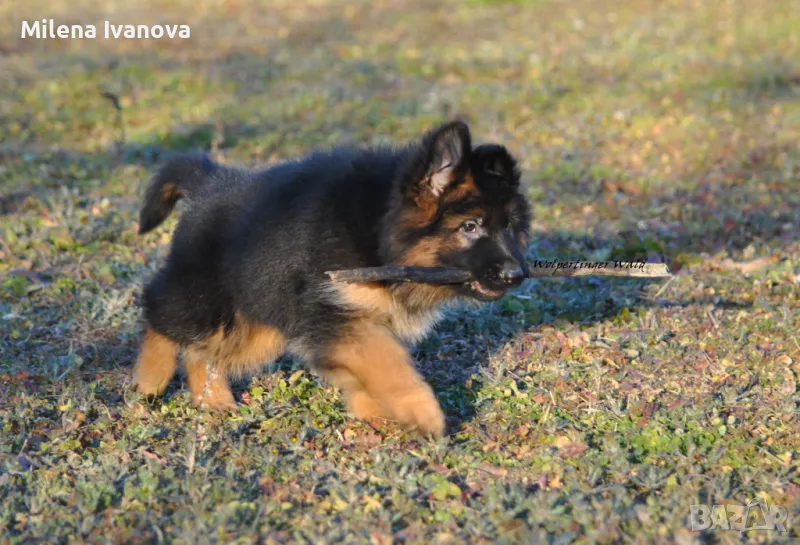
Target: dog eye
[[469, 227]]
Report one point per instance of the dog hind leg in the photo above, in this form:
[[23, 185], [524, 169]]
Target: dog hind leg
[[209, 387], [156, 364], [234, 353]]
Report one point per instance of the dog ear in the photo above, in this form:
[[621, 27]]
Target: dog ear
[[495, 161], [448, 151]]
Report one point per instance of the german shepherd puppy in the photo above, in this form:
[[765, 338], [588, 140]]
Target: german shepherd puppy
[[244, 281]]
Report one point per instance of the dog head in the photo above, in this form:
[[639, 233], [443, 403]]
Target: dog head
[[459, 206]]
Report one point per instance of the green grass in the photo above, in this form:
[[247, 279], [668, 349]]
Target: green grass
[[586, 411]]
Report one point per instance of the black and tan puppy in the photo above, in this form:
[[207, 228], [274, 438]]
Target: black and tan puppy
[[244, 281]]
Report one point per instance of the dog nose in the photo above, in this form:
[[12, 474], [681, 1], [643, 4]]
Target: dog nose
[[511, 273]]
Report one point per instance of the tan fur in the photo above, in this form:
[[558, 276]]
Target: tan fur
[[466, 188], [211, 391], [376, 375], [158, 359], [424, 211], [427, 202], [408, 311], [425, 253], [236, 352], [363, 406], [170, 192], [244, 347]]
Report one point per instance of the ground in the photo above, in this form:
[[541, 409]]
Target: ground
[[579, 410]]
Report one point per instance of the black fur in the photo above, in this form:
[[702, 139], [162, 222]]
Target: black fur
[[185, 176]]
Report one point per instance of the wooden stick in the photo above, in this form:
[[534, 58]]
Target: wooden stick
[[536, 269], [427, 275]]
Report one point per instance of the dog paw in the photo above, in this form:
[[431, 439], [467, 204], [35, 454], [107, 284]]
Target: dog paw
[[215, 399], [148, 387], [418, 410], [363, 406]]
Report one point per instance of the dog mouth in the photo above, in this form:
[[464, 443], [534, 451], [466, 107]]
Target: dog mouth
[[479, 291]]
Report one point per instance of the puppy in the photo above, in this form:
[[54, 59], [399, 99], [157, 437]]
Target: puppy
[[244, 280]]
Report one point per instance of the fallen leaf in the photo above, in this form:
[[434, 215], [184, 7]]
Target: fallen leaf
[[493, 470], [511, 526], [562, 441], [573, 450], [153, 456], [294, 377]]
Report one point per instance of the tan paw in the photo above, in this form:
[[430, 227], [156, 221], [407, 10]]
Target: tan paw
[[148, 388], [216, 397], [363, 406], [419, 410]]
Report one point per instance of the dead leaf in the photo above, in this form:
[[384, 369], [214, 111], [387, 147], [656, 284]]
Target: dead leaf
[[573, 450], [562, 441], [295, 376], [75, 424], [511, 526], [153, 456], [493, 470]]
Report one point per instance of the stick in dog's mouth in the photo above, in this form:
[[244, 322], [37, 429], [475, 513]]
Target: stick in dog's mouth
[[444, 275]]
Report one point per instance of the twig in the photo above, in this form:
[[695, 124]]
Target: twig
[[444, 275], [430, 275], [120, 121], [664, 287]]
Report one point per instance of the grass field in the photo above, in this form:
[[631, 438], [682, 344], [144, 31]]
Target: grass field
[[579, 410]]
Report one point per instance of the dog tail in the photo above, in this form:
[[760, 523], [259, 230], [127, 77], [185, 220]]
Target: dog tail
[[181, 177]]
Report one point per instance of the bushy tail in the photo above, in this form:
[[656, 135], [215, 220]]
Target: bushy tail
[[179, 178]]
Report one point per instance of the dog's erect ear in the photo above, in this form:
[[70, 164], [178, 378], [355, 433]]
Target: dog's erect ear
[[448, 151], [497, 162]]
